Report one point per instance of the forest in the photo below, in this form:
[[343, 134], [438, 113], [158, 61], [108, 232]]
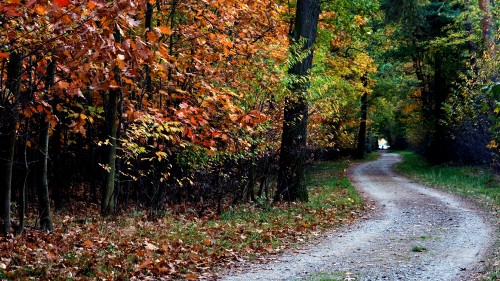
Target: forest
[[153, 107]]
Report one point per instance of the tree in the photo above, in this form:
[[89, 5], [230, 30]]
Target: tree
[[291, 185], [8, 121], [43, 155], [361, 144], [487, 27]]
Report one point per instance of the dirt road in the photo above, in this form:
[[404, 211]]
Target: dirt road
[[414, 233]]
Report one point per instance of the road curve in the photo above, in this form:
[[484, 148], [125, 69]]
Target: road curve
[[453, 235]]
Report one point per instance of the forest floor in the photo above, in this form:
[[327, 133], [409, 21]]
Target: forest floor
[[179, 242], [413, 233]]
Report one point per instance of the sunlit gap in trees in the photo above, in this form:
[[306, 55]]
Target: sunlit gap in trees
[[383, 144]]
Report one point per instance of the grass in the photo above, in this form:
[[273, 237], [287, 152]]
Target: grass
[[179, 246], [477, 182], [418, 249], [332, 276], [474, 181]]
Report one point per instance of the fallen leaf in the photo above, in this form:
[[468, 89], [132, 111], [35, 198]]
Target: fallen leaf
[[151, 247], [145, 264]]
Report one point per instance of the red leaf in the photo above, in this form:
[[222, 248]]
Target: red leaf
[[62, 3]]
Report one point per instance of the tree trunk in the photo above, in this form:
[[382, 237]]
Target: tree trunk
[[470, 43], [8, 119], [361, 147], [438, 145], [291, 181], [22, 193], [108, 194], [487, 27], [7, 144], [147, 68], [43, 182], [108, 202]]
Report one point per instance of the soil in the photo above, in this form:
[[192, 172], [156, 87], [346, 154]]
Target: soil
[[413, 233]]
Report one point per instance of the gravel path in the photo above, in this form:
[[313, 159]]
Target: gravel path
[[454, 236]]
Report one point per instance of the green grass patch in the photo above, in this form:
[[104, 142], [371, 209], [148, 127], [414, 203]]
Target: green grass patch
[[418, 249], [474, 181], [332, 276]]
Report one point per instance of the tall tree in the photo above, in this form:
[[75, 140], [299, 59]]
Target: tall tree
[[108, 194], [8, 121], [43, 183], [487, 26], [291, 185], [361, 145]]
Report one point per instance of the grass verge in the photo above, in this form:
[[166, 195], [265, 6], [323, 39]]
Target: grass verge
[[473, 181], [132, 246], [476, 182]]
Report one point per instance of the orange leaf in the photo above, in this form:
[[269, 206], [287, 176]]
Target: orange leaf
[[63, 85], [51, 256], [269, 248], [207, 242], [91, 5], [41, 10], [4, 55], [62, 3], [191, 276], [88, 243], [165, 30]]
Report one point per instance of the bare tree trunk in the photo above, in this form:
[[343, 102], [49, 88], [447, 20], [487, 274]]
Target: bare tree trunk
[[22, 193], [361, 147], [108, 195], [8, 119], [43, 182], [291, 179], [108, 202]]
